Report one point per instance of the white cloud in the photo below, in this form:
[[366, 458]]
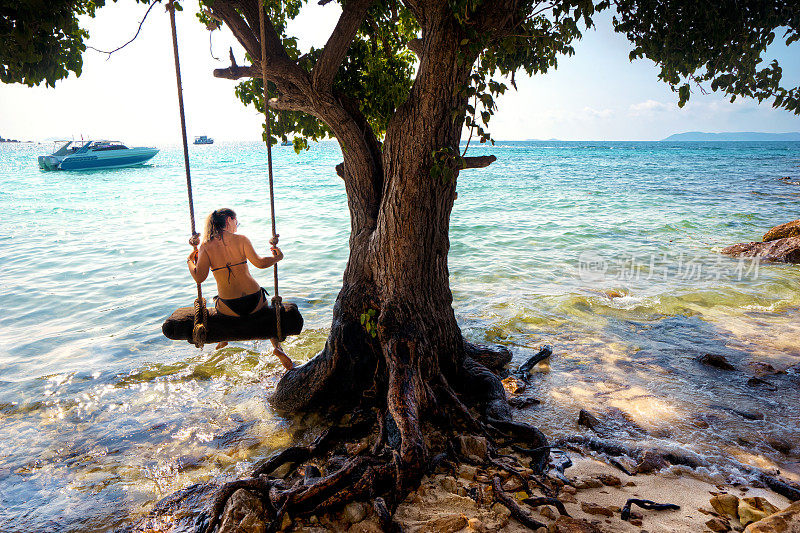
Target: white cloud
[[649, 107]]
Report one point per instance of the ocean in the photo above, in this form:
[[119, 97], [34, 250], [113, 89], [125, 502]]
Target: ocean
[[607, 251]]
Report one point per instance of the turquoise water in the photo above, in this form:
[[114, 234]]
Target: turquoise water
[[605, 250]]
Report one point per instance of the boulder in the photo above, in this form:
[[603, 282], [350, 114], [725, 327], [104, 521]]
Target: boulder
[[717, 361], [354, 512], [610, 480], [651, 461], [786, 521], [472, 445], [726, 505], [786, 250], [243, 514], [754, 509], [790, 229]]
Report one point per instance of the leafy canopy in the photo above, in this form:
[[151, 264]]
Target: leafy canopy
[[701, 45]]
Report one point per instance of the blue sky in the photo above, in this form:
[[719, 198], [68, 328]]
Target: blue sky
[[597, 94]]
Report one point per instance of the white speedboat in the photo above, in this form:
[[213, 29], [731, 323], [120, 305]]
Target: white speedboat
[[202, 139], [94, 155]]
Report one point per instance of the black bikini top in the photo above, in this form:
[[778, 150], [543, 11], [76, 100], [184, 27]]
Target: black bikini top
[[228, 266]]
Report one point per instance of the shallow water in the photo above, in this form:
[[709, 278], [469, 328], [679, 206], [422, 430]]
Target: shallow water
[[606, 251]]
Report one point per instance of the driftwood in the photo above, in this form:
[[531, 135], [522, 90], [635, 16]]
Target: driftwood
[[259, 325]]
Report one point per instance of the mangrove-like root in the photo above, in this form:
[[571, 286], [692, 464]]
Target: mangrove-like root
[[646, 504], [544, 500], [516, 511]]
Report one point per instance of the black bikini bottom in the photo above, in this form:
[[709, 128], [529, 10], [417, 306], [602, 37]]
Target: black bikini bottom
[[246, 304]]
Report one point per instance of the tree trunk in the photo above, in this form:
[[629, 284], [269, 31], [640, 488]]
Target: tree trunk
[[398, 259]]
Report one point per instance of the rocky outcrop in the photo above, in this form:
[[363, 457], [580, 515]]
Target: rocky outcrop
[[790, 229], [786, 250]]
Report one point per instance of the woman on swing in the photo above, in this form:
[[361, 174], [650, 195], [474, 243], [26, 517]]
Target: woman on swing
[[225, 253]]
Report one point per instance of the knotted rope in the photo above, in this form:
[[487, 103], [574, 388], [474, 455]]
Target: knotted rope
[[276, 300], [200, 330]]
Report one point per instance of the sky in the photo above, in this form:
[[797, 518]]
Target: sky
[[597, 94]]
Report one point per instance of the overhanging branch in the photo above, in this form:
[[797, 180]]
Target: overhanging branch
[[481, 161], [235, 72]]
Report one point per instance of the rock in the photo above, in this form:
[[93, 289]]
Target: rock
[[780, 444], [587, 419], [501, 511], [584, 482], [764, 369], [593, 508], [719, 525], [449, 484], [786, 521], [568, 498], [548, 512], [474, 524], [445, 524], [354, 512], [472, 445], [726, 505], [569, 489], [651, 461], [790, 229], [243, 514], [610, 480], [786, 250], [566, 524], [366, 526], [753, 509], [514, 385], [635, 522], [286, 523], [467, 472], [717, 361]]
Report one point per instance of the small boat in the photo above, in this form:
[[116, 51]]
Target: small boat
[[95, 155], [202, 139]]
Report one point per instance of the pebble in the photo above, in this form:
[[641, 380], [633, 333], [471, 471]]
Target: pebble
[[474, 524], [718, 525], [569, 489], [593, 508], [548, 512], [583, 482], [610, 480]]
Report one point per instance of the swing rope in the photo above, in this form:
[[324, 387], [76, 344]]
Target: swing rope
[[200, 330], [276, 300]]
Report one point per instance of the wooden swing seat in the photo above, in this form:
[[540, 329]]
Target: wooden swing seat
[[259, 325]]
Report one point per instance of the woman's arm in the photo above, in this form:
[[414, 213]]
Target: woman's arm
[[199, 264], [257, 260]]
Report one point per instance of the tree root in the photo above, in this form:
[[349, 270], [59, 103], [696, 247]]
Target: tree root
[[516, 511]]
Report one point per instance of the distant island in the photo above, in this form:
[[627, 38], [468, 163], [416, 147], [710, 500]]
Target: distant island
[[2, 140], [734, 136]]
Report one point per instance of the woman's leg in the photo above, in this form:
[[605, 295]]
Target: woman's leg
[[281, 355]]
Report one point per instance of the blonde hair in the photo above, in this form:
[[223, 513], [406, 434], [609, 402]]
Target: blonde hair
[[216, 222]]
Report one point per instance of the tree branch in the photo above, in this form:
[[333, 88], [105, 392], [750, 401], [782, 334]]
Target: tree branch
[[338, 43], [482, 161], [132, 38], [235, 72]]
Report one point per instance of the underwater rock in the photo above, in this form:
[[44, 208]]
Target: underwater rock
[[764, 369], [786, 521], [790, 229], [585, 418], [717, 361], [786, 250], [651, 461]]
